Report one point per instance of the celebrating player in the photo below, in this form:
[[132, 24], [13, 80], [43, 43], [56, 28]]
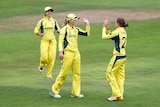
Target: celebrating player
[[116, 68], [70, 56]]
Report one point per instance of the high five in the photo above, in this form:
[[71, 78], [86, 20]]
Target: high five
[[115, 72]]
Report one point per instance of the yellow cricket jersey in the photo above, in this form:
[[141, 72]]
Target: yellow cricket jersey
[[47, 26], [68, 37], [120, 39]]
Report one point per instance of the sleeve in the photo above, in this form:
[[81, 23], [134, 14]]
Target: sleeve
[[107, 34], [61, 39], [57, 28], [84, 33], [37, 28]]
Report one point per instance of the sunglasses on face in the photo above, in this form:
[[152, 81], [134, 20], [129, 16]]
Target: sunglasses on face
[[49, 11]]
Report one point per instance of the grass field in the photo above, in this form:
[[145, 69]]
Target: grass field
[[22, 86]]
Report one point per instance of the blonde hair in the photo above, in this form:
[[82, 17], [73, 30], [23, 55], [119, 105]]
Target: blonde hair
[[65, 22]]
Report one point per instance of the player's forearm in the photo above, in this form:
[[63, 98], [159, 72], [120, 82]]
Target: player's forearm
[[88, 30], [104, 35]]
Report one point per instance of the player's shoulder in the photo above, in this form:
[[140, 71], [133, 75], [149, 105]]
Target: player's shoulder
[[115, 32], [54, 19], [63, 29], [78, 28], [41, 20]]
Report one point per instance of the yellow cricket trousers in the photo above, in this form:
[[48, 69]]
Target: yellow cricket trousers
[[71, 60], [48, 54], [116, 75]]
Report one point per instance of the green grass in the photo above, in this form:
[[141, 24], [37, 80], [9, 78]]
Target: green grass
[[22, 86]]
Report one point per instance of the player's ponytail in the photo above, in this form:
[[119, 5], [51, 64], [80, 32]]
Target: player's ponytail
[[65, 22], [122, 22]]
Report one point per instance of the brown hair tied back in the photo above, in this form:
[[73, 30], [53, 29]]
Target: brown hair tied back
[[122, 22]]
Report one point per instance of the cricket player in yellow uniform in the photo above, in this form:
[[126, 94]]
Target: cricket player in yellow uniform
[[116, 68], [45, 30], [70, 56]]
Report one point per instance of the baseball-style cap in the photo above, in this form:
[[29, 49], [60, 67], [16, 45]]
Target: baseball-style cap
[[48, 8], [72, 17]]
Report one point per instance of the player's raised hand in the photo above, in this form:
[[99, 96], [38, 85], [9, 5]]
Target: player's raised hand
[[106, 24], [86, 21]]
